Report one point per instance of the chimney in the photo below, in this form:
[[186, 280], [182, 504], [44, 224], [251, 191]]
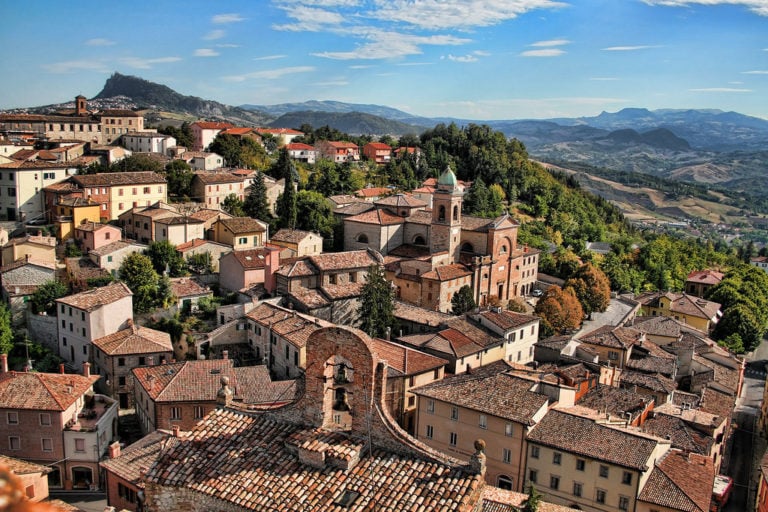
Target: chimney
[[151, 361], [225, 354], [3, 363], [114, 450], [86, 369], [61, 368], [175, 430]]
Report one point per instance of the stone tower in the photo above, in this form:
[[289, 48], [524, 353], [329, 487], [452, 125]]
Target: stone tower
[[80, 105], [446, 215]]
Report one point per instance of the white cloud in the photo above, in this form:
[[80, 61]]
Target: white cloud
[[755, 72], [720, 89], [414, 63], [461, 58], [227, 45], [456, 14], [71, 66], [214, 34], [604, 78], [269, 74], [139, 63], [270, 57], [549, 52], [550, 43], [759, 7], [99, 41], [221, 19], [629, 48], [735, 83], [388, 45], [309, 19], [206, 52], [332, 83], [361, 66]]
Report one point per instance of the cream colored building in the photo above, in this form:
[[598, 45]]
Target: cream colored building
[[240, 232], [21, 185], [179, 230], [576, 457], [36, 247], [495, 407], [520, 331], [297, 243], [120, 191]]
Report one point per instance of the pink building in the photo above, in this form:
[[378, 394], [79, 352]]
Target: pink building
[[243, 269], [92, 235]]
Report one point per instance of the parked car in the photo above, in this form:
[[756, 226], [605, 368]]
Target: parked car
[[537, 292]]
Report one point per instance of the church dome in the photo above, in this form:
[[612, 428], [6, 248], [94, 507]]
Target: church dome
[[447, 178]]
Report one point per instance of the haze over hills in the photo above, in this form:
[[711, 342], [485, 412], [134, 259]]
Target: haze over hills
[[708, 146]]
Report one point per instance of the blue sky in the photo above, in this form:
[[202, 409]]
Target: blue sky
[[473, 59]]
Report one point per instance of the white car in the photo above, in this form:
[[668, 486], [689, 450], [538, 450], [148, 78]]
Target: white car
[[537, 292]]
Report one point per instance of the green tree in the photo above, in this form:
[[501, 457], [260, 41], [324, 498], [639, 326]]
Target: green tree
[[228, 146], [314, 213], [377, 303], [476, 200], [531, 503], [6, 332], [463, 300], [233, 206], [179, 175], [286, 203], [733, 343], [256, 204], [139, 275], [165, 257], [200, 263], [44, 298]]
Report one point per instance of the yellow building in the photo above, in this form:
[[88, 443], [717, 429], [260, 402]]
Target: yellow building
[[240, 232], [698, 313], [35, 247], [73, 212]]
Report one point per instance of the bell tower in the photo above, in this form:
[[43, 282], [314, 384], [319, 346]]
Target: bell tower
[[80, 105], [446, 215]]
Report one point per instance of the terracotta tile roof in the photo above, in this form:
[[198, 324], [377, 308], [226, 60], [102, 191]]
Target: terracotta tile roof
[[298, 146], [612, 337], [683, 436], [238, 131], [447, 273], [205, 214], [652, 382], [197, 243], [213, 178], [295, 329], [93, 226], [241, 225], [186, 287], [615, 401], [409, 251], [139, 456], [22, 467], [470, 329], [352, 209], [405, 360], [266, 314], [373, 191], [361, 259], [42, 391], [172, 221], [111, 179], [250, 259], [681, 303], [134, 340], [507, 320], [582, 436], [420, 217], [725, 375], [119, 245], [279, 131], [93, 299], [496, 499], [236, 457], [299, 268], [415, 314], [711, 277], [681, 482], [501, 395], [717, 402], [342, 291], [48, 241], [379, 217], [401, 200], [24, 262], [292, 236], [212, 125], [310, 299], [255, 387], [378, 145]]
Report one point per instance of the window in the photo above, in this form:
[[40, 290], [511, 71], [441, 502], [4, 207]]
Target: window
[[287, 352], [613, 355], [626, 478], [146, 190], [83, 331], [79, 445], [508, 430], [198, 412], [534, 452], [600, 496], [45, 419], [242, 240], [483, 421], [506, 455], [604, 471], [577, 489], [126, 493], [14, 443], [454, 438], [431, 406], [120, 192], [120, 361], [557, 458], [455, 413], [554, 482], [580, 464], [623, 503], [175, 413], [13, 418], [533, 476], [430, 432], [121, 381]]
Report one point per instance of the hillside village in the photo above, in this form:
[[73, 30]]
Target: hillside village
[[255, 382]]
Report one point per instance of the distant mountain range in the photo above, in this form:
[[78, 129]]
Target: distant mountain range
[[708, 146]]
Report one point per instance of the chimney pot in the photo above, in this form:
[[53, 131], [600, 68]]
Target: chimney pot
[[86, 369], [3, 363], [151, 361], [61, 368], [225, 354], [175, 431], [114, 450]]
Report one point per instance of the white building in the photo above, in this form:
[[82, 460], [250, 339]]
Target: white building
[[148, 142]]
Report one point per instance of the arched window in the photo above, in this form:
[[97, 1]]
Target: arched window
[[503, 249], [504, 482], [441, 213], [455, 213], [362, 238], [419, 240], [467, 247]]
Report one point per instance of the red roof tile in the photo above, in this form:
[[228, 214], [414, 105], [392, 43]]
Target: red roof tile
[[42, 391]]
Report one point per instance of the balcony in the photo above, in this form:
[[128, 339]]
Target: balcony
[[95, 409]]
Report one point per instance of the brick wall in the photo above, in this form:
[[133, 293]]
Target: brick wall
[[113, 495]]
